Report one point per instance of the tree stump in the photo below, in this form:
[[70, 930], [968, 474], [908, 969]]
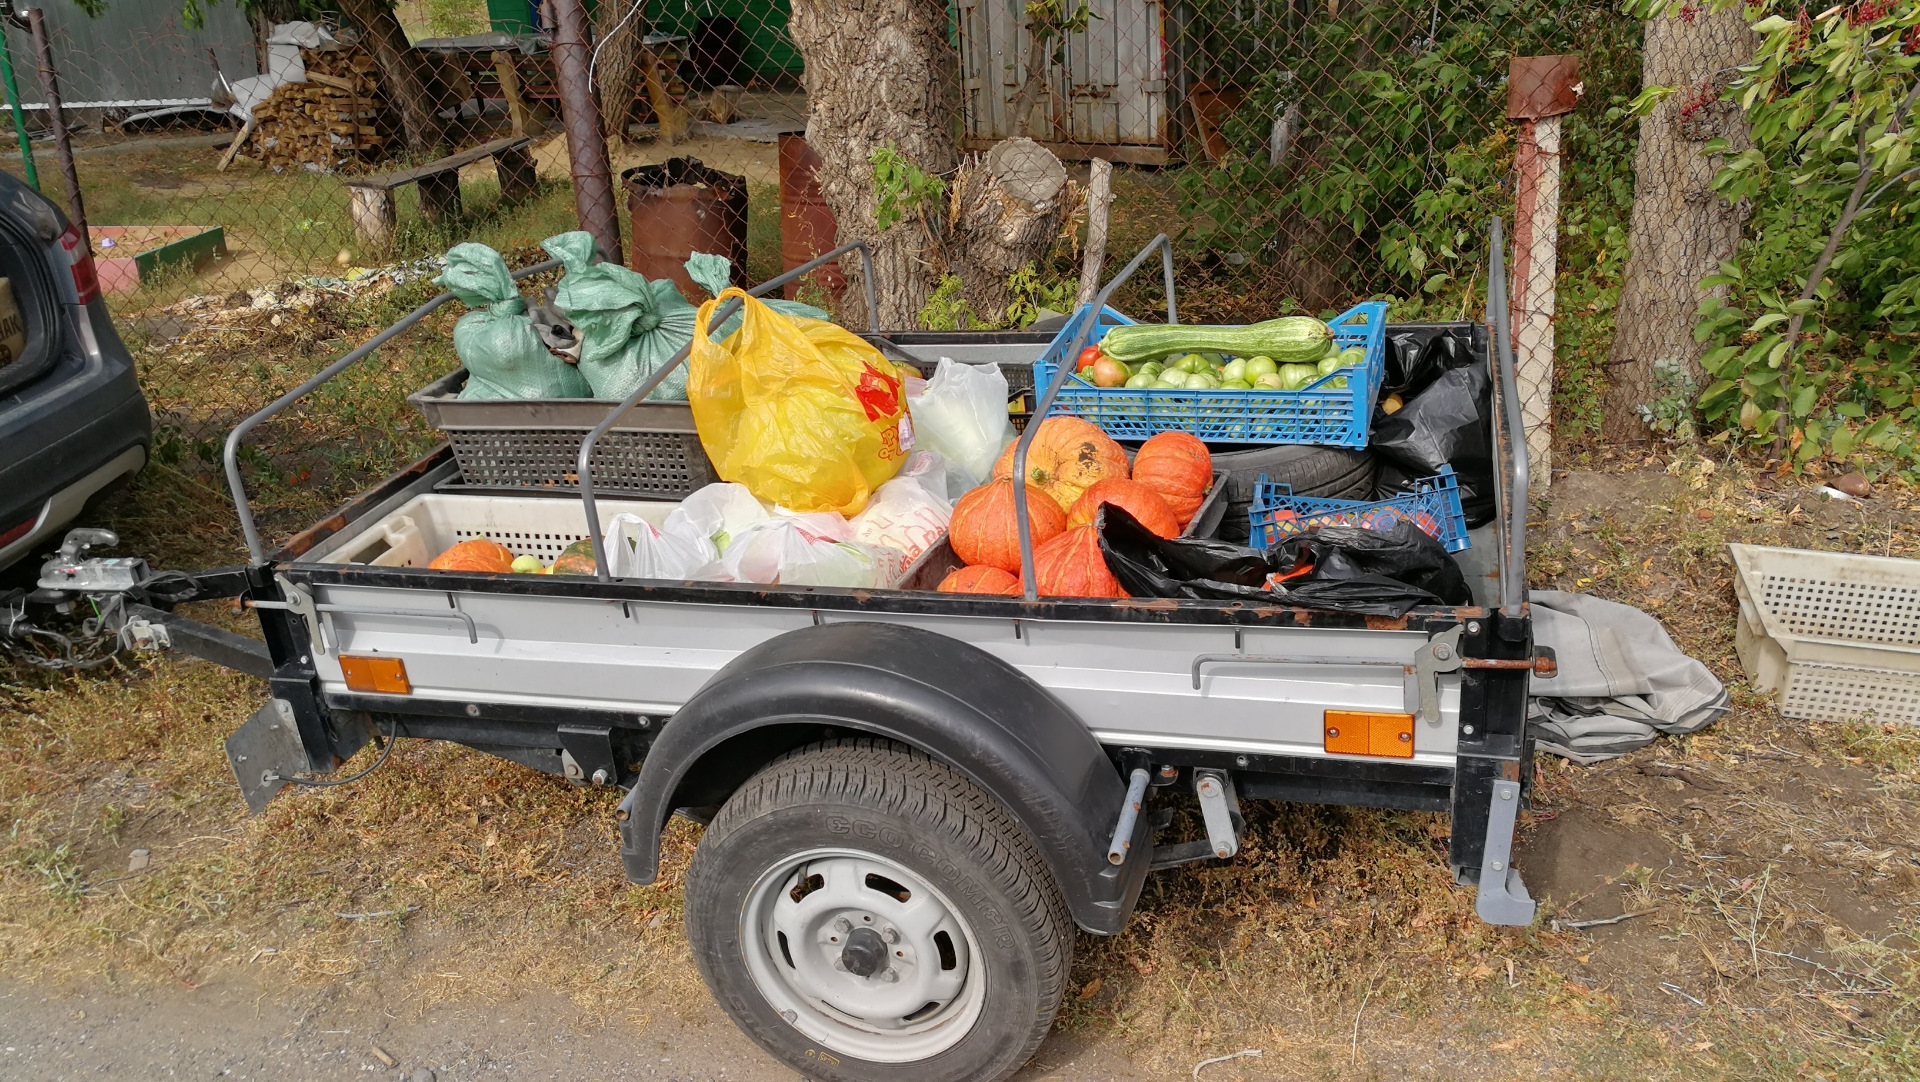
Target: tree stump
[[373, 215], [1008, 210]]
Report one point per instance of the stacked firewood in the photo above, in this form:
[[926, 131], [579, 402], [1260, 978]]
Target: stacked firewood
[[338, 119]]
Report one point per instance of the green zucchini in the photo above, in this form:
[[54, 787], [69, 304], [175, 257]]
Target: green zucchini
[[1287, 339]]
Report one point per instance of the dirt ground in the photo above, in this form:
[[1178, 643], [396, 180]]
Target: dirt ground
[[468, 916]]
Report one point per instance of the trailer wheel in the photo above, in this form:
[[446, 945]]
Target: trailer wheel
[[860, 908]]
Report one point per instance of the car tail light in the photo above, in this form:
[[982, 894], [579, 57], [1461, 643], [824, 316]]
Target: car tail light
[[384, 675], [17, 531], [1359, 732], [86, 281]]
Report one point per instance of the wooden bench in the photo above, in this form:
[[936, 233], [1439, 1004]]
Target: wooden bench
[[373, 211]]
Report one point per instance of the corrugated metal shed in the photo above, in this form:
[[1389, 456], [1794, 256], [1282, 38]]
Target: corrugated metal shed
[[138, 54]]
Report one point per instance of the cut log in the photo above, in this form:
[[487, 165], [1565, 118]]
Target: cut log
[[373, 216]]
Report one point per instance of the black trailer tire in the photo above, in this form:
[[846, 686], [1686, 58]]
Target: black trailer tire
[[1341, 473], [875, 832]]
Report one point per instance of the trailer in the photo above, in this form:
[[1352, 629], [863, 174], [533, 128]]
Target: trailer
[[911, 799]]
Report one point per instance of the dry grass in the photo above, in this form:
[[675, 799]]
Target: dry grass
[[1775, 859]]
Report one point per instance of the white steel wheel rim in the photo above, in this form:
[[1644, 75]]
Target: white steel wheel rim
[[809, 931]]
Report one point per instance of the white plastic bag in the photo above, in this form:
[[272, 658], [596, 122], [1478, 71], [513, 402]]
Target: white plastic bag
[[716, 514], [961, 415], [803, 550], [637, 550], [909, 513]]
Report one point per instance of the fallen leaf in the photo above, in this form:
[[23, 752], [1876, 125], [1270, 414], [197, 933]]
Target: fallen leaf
[[1504, 1046], [1481, 972], [1092, 989]]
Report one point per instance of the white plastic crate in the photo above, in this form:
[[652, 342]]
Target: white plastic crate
[[1836, 634], [428, 525]]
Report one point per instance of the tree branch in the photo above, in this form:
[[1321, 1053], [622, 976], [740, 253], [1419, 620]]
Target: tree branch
[[1833, 246]]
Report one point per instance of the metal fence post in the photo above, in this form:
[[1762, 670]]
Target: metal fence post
[[1540, 89], [586, 144]]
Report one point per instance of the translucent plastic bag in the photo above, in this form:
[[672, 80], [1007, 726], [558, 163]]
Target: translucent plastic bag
[[715, 515], [805, 414], [636, 549], [628, 326], [804, 550], [961, 415], [496, 341], [909, 513]]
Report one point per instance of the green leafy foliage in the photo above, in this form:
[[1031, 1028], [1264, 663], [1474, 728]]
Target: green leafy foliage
[[901, 187], [1829, 98]]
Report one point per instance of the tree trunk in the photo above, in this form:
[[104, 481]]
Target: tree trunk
[[1020, 119], [615, 74], [1681, 229], [878, 73], [884, 73], [409, 84]]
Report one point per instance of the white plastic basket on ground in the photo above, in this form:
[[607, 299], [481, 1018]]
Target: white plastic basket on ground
[[1836, 634]]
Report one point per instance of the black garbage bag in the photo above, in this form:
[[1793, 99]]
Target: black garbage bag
[[1449, 422], [1339, 568], [1417, 355]]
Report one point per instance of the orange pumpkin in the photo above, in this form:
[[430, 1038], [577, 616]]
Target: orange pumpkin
[[478, 554], [1071, 566], [984, 531], [980, 580], [1067, 455], [1141, 502], [1178, 467]]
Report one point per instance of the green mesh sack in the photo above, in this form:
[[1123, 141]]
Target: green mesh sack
[[496, 341]]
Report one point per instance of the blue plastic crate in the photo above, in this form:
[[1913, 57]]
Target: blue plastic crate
[[1317, 413], [1433, 505]]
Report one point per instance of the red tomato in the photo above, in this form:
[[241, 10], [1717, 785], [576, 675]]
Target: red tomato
[[1087, 357]]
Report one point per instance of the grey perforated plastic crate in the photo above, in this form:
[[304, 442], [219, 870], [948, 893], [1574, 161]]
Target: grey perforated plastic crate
[[1836, 634], [507, 445]]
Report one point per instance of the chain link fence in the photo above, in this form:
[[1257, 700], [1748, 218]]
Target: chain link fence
[[1302, 155]]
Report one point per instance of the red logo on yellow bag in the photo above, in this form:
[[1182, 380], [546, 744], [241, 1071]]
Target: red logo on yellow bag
[[879, 393]]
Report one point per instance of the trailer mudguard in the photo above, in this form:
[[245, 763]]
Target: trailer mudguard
[[951, 700]]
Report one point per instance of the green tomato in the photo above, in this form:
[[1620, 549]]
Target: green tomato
[[1234, 372], [1151, 368], [1352, 356], [1329, 364], [1140, 379], [1268, 381], [1200, 381], [1261, 366], [1295, 376], [1338, 383], [1236, 385], [1169, 385]]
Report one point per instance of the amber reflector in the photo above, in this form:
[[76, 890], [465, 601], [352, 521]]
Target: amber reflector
[[386, 675], [1357, 732]]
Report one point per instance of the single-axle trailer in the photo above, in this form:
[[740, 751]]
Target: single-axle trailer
[[911, 799]]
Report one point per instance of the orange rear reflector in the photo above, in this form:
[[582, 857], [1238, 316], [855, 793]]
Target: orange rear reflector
[[386, 675], [1356, 732]]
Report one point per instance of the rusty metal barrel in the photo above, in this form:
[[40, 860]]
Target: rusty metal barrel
[[681, 207], [807, 227]]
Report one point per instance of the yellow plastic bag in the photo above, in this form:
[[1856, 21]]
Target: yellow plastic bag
[[802, 412]]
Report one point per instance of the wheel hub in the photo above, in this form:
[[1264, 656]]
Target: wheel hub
[[865, 953], [862, 955]]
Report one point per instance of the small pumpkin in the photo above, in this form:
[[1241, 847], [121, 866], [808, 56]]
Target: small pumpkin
[[1068, 455], [1070, 565], [984, 531], [1143, 503], [1177, 466], [575, 559], [478, 554], [980, 579]]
